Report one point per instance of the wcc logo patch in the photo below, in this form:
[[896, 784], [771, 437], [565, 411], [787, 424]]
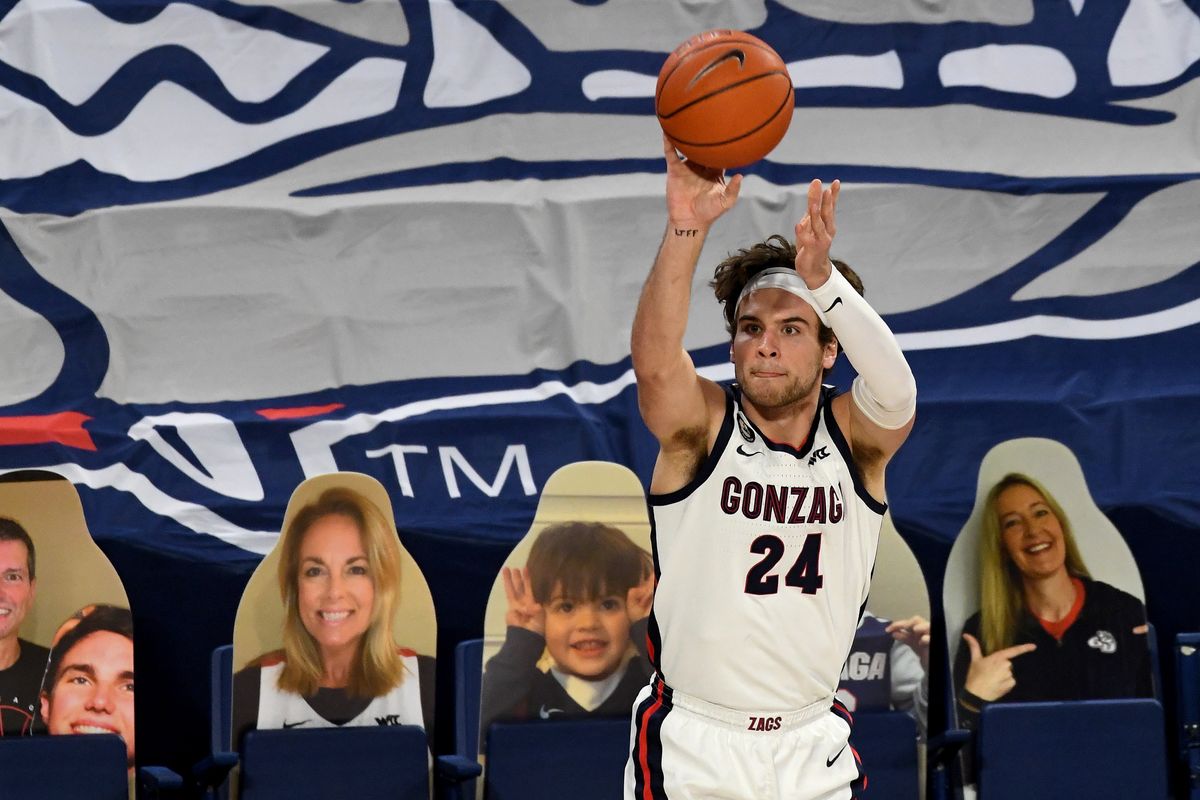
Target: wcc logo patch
[[744, 428], [1103, 641]]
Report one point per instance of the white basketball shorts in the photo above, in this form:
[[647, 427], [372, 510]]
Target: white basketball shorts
[[684, 748]]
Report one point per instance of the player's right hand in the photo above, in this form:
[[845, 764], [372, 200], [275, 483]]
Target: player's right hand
[[696, 195], [990, 677], [523, 610]]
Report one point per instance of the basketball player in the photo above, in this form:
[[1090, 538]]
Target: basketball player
[[766, 500]]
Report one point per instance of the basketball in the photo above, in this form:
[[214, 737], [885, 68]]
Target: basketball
[[724, 98]]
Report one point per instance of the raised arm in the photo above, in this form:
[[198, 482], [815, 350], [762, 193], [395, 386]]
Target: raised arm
[[878, 413], [675, 402]]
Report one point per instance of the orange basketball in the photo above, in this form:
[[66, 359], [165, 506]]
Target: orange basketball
[[724, 98]]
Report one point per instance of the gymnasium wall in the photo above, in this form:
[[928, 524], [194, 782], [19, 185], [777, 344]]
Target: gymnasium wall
[[244, 244]]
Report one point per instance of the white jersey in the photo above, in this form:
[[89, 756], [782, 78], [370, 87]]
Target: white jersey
[[764, 562], [280, 709]]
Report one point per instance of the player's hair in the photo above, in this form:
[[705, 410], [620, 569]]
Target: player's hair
[[1001, 599], [378, 668], [586, 561], [732, 275], [83, 623], [12, 531]]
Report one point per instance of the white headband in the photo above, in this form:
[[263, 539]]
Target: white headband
[[784, 278]]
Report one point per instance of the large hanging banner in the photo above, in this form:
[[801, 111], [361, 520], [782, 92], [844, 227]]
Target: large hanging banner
[[243, 244]]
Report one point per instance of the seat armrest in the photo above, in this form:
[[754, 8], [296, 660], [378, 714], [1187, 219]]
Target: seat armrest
[[213, 768], [456, 768], [941, 749], [154, 780]]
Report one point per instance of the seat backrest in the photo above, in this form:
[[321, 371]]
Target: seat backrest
[[52, 767], [1187, 695], [468, 658], [330, 763], [888, 742], [221, 699], [1155, 669], [579, 759], [1092, 748]]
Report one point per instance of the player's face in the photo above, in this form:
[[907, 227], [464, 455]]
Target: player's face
[[16, 588], [93, 692], [1031, 532], [777, 357], [336, 591], [587, 638]]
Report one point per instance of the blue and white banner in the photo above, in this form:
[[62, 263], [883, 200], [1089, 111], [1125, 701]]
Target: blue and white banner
[[245, 243]]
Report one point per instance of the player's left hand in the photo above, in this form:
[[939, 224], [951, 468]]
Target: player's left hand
[[815, 232], [640, 598], [913, 632]]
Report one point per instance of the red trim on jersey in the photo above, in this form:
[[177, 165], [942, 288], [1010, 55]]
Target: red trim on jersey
[[298, 411], [840, 709], [859, 786], [65, 428], [643, 744], [1057, 629]]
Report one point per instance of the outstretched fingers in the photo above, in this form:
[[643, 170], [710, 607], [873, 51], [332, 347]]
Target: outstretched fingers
[[1016, 650], [669, 151], [829, 207], [510, 591], [516, 586], [732, 189]]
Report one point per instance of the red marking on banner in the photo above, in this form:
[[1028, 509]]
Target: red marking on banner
[[298, 412], [65, 428]]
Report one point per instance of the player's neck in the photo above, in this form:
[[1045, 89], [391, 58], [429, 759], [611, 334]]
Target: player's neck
[[1050, 598], [10, 651], [789, 424]]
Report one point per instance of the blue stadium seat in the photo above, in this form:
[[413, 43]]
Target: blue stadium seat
[[378, 763], [1091, 748], [209, 775], [579, 759], [1155, 668], [54, 767], [943, 763], [1187, 695], [468, 658], [457, 772], [358, 763], [89, 767], [887, 743]]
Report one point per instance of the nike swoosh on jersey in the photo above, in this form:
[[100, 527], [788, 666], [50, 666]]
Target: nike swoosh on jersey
[[829, 763], [545, 713], [295, 724], [748, 452]]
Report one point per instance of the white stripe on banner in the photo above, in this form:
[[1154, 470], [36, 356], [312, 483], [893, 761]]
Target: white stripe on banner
[[314, 443], [190, 515], [1056, 328]]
